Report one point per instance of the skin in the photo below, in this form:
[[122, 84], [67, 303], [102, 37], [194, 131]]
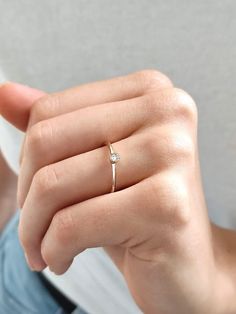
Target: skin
[[155, 226], [11, 96], [7, 192]]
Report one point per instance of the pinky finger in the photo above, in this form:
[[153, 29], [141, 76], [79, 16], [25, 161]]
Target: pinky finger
[[101, 221]]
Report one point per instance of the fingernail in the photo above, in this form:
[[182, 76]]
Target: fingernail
[[28, 262], [34, 266]]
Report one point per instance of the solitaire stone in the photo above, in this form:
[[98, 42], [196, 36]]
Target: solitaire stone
[[114, 157]]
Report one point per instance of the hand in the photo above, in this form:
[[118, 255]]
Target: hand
[[155, 226]]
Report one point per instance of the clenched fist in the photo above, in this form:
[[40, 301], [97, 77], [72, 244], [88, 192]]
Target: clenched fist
[[155, 225]]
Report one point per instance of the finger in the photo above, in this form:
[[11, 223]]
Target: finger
[[61, 137], [120, 220], [112, 90], [102, 221], [16, 101], [92, 177], [78, 132]]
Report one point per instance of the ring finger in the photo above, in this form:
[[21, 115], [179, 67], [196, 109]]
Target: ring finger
[[82, 177]]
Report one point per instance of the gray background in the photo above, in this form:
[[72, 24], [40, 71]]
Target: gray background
[[53, 44]]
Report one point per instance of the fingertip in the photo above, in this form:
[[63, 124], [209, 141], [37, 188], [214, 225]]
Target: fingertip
[[16, 101], [2, 84], [35, 264], [60, 268]]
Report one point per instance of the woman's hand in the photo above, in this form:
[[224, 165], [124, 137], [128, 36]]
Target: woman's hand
[[155, 226]]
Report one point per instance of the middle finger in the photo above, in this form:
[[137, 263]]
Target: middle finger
[[77, 132]]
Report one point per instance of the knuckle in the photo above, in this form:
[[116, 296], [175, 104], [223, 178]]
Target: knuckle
[[38, 137], [170, 104], [60, 233], [45, 181], [185, 105], [34, 137], [63, 224], [152, 79], [168, 148], [171, 198], [43, 108], [39, 110], [180, 146]]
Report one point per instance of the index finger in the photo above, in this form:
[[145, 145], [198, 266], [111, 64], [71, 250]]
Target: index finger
[[100, 92]]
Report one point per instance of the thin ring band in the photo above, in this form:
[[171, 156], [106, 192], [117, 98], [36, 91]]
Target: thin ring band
[[114, 157]]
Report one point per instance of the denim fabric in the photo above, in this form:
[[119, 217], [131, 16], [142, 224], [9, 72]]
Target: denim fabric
[[21, 291]]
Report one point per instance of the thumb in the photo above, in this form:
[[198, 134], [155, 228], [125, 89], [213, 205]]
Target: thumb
[[16, 101]]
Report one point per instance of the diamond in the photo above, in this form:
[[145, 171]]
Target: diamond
[[114, 157]]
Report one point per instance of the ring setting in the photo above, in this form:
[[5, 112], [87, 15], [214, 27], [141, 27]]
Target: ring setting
[[114, 158]]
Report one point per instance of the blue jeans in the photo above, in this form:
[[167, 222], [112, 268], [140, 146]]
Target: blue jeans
[[21, 291]]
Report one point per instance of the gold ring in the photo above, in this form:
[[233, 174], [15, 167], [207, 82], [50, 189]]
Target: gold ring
[[114, 158]]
